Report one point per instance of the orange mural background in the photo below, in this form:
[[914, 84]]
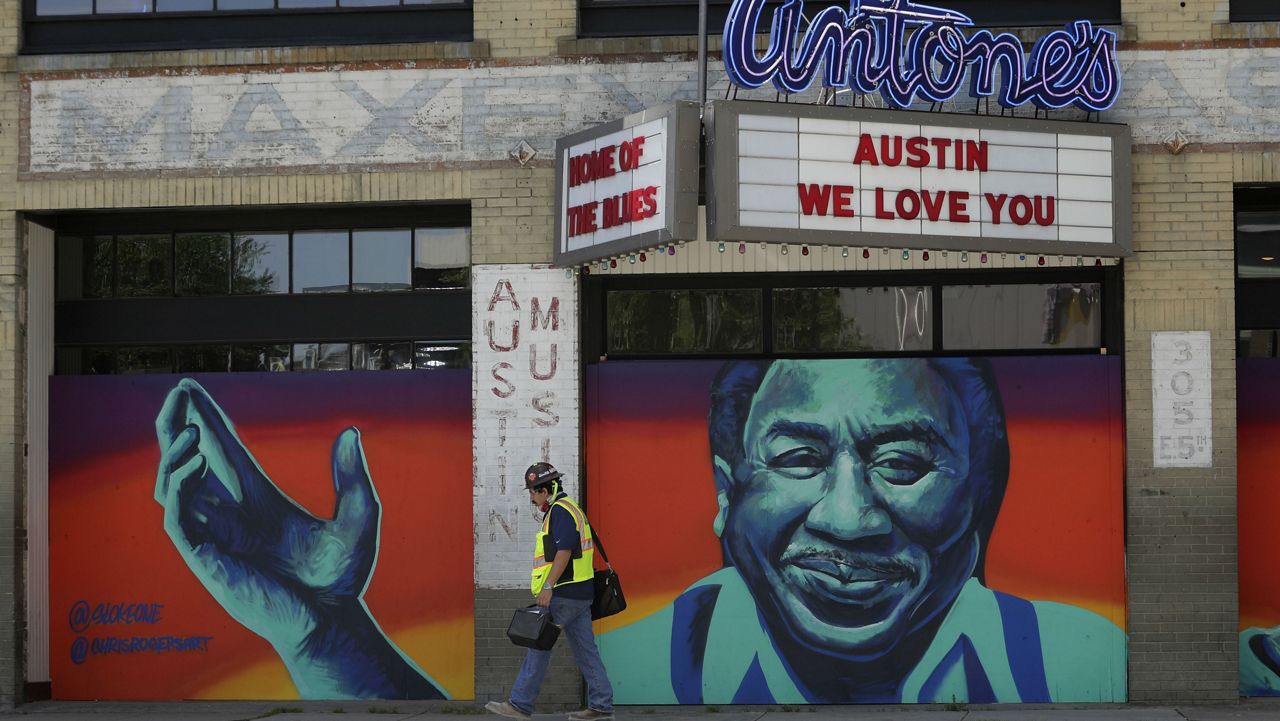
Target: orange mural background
[[108, 544], [1060, 533], [1258, 399]]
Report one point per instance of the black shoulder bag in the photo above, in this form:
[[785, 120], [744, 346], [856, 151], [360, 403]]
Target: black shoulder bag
[[608, 598]]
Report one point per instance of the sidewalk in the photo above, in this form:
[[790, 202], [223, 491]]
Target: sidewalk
[[1252, 710]]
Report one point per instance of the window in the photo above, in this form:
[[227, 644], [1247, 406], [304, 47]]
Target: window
[[685, 321], [1245, 11], [1257, 214], [144, 265], [202, 261], [1053, 315], [1053, 310], [321, 262], [57, 26], [631, 18], [381, 260], [442, 258], [315, 289], [830, 320], [255, 263], [260, 263]]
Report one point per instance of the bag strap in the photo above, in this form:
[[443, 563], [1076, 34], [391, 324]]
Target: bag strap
[[595, 538]]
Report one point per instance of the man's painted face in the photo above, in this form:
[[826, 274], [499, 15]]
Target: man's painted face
[[851, 516]]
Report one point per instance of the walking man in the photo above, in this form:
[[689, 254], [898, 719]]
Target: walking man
[[563, 554]]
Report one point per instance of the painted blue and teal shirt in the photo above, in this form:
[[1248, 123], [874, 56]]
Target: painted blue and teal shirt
[[1260, 662], [710, 647]]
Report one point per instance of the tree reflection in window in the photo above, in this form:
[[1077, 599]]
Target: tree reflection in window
[[685, 321], [260, 264], [824, 320]]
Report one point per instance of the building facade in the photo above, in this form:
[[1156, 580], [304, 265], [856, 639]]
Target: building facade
[[374, 188]]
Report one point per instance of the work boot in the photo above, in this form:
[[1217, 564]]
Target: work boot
[[504, 708], [590, 714]]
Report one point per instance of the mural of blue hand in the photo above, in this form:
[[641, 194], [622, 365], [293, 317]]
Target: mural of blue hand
[[293, 578]]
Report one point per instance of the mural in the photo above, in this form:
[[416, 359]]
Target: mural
[[261, 536], [1259, 455], [862, 531]]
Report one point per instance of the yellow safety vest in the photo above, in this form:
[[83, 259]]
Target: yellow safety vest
[[581, 568]]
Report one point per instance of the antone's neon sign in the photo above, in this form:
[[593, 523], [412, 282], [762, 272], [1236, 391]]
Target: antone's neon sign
[[904, 50]]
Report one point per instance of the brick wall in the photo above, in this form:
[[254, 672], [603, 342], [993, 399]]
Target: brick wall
[[498, 660], [1181, 522], [523, 28], [1173, 20], [512, 215]]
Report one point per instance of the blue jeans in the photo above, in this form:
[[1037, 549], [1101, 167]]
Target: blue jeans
[[574, 618]]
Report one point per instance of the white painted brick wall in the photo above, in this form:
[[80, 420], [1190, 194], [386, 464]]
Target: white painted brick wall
[[111, 122], [523, 316]]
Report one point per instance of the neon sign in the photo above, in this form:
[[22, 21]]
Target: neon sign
[[904, 50]]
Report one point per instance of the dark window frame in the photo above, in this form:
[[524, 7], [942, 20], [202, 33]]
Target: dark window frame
[[641, 18], [595, 322], [44, 34]]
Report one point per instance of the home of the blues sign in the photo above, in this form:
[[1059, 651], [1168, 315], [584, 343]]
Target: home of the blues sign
[[907, 51]]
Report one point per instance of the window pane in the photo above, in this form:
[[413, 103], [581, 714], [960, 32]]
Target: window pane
[[684, 321], [380, 259], [144, 265], [201, 358], [366, 3], [976, 317], [124, 6], [307, 3], [817, 320], [434, 354], [203, 263], [1258, 244], [64, 7], [320, 261], [321, 356], [246, 4], [442, 258], [261, 263], [382, 356], [260, 357], [72, 361], [144, 359], [181, 6], [1256, 344], [84, 267]]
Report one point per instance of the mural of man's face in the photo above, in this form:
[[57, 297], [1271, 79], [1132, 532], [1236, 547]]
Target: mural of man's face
[[851, 517]]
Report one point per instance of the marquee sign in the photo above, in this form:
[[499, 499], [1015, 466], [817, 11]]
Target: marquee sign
[[627, 185], [906, 51], [811, 174]]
